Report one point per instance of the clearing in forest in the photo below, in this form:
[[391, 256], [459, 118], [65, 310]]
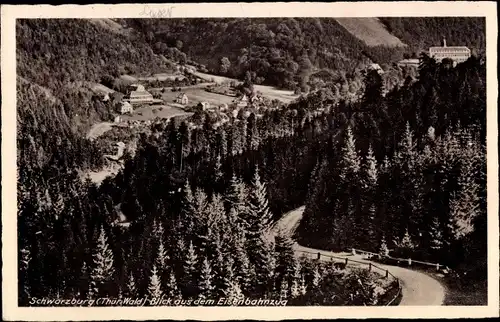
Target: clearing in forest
[[371, 31]]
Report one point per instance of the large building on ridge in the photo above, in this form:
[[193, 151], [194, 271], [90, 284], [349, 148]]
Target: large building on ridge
[[458, 54]]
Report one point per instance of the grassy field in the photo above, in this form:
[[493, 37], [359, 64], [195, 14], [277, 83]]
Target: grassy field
[[371, 31], [270, 92], [197, 94], [151, 112], [162, 77]]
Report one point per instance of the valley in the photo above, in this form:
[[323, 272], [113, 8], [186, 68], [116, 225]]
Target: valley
[[208, 158]]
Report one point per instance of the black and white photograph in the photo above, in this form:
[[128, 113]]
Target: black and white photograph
[[290, 161]]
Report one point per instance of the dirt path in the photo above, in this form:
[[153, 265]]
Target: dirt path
[[417, 288]]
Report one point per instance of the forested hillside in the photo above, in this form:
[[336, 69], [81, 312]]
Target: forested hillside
[[54, 58], [422, 33], [281, 52], [416, 189], [285, 51]]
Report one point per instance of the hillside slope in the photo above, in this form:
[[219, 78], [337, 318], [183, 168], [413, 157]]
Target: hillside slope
[[371, 31], [59, 65], [422, 33]]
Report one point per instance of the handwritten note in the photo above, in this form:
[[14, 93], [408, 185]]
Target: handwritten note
[[150, 12]]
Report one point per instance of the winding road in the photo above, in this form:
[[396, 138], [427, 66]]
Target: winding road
[[417, 288]]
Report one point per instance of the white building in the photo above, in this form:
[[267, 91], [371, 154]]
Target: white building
[[125, 107], [458, 54]]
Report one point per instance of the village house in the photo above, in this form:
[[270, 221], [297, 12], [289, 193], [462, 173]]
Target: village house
[[120, 218], [242, 101], [458, 54], [223, 107], [182, 99], [376, 67], [138, 95], [410, 62], [105, 97], [203, 106], [125, 107]]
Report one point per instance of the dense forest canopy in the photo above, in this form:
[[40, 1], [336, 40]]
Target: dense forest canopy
[[190, 186]]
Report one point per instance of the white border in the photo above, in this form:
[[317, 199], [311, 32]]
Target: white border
[[358, 9]]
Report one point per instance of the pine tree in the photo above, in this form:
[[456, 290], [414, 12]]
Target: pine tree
[[24, 266], [350, 159], [371, 170], [316, 278], [103, 269], [259, 218], [303, 286], [188, 209], [406, 242], [172, 290], [131, 286], [237, 198], [162, 257], [206, 280], [158, 230], [296, 280], [284, 290], [234, 292], [227, 276], [435, 234], [190, 262], [154, 288], [285, 261], [241, 261], [383, 249]]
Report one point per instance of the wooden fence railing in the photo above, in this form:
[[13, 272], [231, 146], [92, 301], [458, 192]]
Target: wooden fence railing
[[344, 261], [399, 260]]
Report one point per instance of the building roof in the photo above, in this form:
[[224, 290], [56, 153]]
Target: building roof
[[181, 95], [451, 48], [140, 93]]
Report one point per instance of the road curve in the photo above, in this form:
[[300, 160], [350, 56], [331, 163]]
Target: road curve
[[417, 288]]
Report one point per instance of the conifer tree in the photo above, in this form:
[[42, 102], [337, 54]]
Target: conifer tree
[[227, 277], [350, 159], [131, 286], [158, 230], [234, 292], [242, 263], [206, 287], [284, 290], [285, 261], [303, 286], [435, 234], [162, 257], [172, 290], [191, 261], [24, 266], [188, 209], [154, 288], [237, 198], [259, 217], [316, 278], [103, 269], [383, 249]]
